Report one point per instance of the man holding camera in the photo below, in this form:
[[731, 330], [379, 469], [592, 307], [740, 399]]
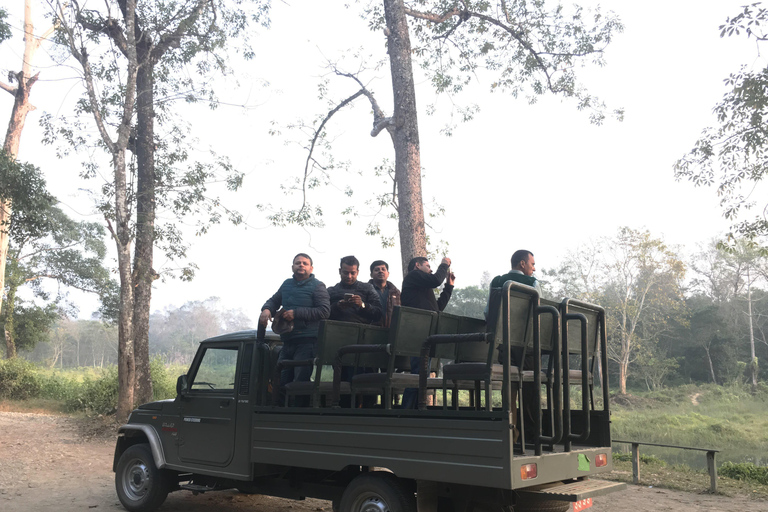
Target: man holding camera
[[353, 300]]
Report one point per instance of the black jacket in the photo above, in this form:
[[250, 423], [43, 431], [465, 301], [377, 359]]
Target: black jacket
[[370, 314], [419, 289]]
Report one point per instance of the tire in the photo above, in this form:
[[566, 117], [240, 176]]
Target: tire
[[377, 492], [141, 487]]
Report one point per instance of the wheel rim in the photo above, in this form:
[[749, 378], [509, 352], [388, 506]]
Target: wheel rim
[[370, 502], [136, 480]]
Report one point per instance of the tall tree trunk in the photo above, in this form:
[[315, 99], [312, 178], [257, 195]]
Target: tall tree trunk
[[623, 366], [21, 107], [711, 366], [413, 238], [143, 274], [10, 341], [126, 363], [752, 358]]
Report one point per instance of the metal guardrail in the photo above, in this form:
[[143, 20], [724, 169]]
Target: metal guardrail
[[711, 465]]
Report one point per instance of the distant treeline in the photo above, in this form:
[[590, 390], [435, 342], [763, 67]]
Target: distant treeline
[[702, 318]]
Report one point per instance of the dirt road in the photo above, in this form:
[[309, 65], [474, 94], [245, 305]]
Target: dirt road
[[59, 463]]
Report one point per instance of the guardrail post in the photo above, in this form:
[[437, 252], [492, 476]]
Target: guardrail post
[[712, 467], [635, 463]]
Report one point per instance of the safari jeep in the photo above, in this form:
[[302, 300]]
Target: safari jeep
[[496, 430]]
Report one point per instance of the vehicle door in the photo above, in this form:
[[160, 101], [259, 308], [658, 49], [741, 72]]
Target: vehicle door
[[209, 408]]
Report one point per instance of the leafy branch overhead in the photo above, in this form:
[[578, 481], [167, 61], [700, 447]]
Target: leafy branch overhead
[[733, 155], [526, 48]]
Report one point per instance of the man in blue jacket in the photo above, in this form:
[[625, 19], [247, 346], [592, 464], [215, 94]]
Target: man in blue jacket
[[304, 301]]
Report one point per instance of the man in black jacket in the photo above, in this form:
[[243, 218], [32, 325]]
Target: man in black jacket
[[353, 300], [419, 292], [419, 284]]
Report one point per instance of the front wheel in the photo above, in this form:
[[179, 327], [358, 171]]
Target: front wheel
[[141, 487], [377, 492]]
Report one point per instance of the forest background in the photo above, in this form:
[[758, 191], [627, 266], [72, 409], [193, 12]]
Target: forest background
[[682, 309]]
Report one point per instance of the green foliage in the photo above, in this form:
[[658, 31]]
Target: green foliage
[[469, 301], [5, 29], [96, 396], [24, 185], [18, 379], [163, 381], [529, 48], [733, 156], [726, 418], [745, 471]]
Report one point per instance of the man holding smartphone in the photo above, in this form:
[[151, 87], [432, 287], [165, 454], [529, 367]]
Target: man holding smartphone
[[353, 300]]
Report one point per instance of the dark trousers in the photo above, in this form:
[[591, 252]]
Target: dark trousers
[[411, 395], [296, 351]]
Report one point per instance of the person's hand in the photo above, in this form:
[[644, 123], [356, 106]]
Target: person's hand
[[451, 278], [446, 260], [264, 317], [288, 315], [355, 300]]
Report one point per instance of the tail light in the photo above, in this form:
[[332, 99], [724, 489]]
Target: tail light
[[528, 471], [601, 460]]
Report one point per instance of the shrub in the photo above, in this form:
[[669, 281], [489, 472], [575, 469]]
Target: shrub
[[97, 395], [163, 384], [745, 471], [58, 387], [18, 379]]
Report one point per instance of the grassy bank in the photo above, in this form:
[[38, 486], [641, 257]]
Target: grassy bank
[[725, 418], [657, 473]]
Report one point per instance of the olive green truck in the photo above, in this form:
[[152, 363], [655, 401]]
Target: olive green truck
[[511, 423]]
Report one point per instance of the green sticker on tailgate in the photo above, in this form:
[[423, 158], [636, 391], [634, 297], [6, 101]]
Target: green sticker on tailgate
[[583, 462]]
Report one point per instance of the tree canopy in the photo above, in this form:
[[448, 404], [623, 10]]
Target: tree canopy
[[733, 155]]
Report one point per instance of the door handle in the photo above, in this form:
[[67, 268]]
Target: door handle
[[224, 403]]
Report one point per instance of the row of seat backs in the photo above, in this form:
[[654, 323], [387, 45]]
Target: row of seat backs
[[410, 327], [521, 315]]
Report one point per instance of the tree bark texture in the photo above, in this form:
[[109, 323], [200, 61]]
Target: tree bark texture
[[10, 343], [21, 107], [126, 366], [143, 274], [413, 238]]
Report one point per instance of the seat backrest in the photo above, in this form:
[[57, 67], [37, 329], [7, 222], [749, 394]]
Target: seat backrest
[[574, 328], [332, 335], [447, 323], [545, 329], [472, 351], [409, 329], [374, 335]]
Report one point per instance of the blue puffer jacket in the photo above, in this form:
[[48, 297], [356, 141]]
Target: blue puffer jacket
[[310, 302]]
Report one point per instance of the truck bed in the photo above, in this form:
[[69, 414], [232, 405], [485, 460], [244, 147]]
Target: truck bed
[[468, 449]]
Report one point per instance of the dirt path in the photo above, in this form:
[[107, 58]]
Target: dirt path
[[59, 463]]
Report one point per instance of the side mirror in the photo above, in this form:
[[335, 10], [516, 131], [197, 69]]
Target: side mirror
[[181, 385]]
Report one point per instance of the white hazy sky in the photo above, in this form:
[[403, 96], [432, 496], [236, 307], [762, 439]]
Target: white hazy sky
[[537, 176]]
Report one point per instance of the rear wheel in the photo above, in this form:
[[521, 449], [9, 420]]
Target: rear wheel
[[141, 487], [377, 492]]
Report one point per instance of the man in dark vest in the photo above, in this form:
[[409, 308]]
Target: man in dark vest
[[304, 301], [523, 266]]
